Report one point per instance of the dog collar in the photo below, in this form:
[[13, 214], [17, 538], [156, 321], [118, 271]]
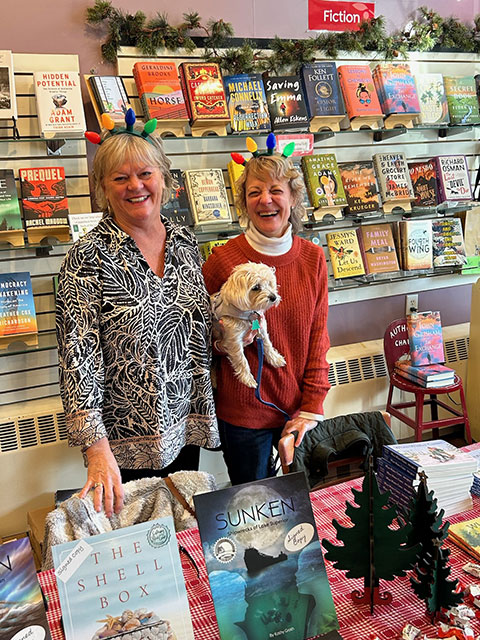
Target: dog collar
[[222, 308]]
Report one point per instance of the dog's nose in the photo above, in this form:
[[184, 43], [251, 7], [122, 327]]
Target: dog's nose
[[272, 297]]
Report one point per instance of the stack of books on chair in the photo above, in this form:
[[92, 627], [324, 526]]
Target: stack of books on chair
[[448, 469], [428, 375]]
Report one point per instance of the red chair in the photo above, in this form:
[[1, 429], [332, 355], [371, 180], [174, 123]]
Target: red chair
[[395, 345]]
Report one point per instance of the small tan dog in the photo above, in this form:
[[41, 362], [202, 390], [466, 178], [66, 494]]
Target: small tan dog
[[250, 290]]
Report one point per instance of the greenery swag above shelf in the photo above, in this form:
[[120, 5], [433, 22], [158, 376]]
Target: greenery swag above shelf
[[427, 31]]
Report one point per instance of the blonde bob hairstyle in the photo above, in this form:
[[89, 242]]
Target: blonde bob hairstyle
[[273, 168], [118, 149]]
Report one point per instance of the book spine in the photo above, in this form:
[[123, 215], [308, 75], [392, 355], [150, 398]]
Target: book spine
[[186, 91], [401, 461]]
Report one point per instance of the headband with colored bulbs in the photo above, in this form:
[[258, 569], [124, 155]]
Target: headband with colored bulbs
[[271, 144], [113, 130]]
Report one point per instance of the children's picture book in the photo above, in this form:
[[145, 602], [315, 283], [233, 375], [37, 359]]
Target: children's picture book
[[428, 372], [323, 180], [10, 216], [360, 187], [109, 96], [8, 101], [462, 99], [82, 223], [453, 180], [159, 90], [432, 99], [414, 242], [17, 308], [378, 247], [393, 176], [59, 104], [448, 243], [22, 612], [466, 535], [425, 337], [247, 103], [286, 103], [177, 208], [356, 83], [396, 88], [125, 579], [264, 561], [44, 196], [207, 196], [322, 90], [204, 92], [345, 254], [423, 175]]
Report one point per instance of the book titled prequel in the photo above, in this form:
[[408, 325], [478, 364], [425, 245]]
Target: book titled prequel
[[44, 196], [204, 91], [264, 561], [17, 308]]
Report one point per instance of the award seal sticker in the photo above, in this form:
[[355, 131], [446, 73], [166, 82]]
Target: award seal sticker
[[158, 536], [224, 550]]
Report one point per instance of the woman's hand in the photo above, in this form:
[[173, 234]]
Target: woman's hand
[[104, 478], [301, 425]]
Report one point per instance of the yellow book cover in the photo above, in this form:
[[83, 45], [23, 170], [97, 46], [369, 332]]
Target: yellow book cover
[[467, 535], [207, 247], [345, 254]]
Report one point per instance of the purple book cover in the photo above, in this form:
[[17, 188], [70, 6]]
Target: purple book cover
[[453, 179]]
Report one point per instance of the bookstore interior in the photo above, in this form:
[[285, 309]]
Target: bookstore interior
[[388, 155]]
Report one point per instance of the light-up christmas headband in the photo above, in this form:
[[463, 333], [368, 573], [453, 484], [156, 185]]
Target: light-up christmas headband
[[271, 144], [130, 119]]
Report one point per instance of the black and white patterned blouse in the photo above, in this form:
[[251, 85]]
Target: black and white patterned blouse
[[134, 348]]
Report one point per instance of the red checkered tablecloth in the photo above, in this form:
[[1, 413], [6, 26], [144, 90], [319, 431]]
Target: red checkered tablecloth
[[355, 621]]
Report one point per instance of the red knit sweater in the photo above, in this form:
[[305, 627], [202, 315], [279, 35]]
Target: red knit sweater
[[297, 327]]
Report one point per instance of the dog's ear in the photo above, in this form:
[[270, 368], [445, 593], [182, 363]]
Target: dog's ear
[[235, 290]]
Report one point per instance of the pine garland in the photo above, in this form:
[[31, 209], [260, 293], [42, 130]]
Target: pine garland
[[429, 30]]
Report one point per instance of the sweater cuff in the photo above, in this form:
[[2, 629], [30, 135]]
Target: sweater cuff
[[311, 416], [84, 428]]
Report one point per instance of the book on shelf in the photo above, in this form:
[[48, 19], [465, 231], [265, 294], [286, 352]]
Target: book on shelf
[[432, 99], [109, 96], [206, 248], [393, 176], [8, 100], [462, 100], [360, 187], [322, 90], [345, 254], [466, 535], [396, 88], [323, 180], [264, 561], [234, 171], [423, 383], [423, 175], [247, 103], [358, 90], [425, 338], [414, 244], [207, 196], [177, 207], [286, 103], [10, 216], [106, 580], [453, 180], [44, 196], [159, 90], [378, 247], [82, 223], [448, 243], [22, 611], [471, 233], [204, 92], [17, 307], [59, 104]]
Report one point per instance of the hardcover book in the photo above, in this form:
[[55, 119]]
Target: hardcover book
[[82, 223], [466, 535], [425, 337], [452, 179], [207, 196], [10, 217], [109, 96], [393, 176], [427, 384], [432, 98], [159, 90], [127, 579], [17, 308], [323, 180], [234, 170], [448, 243], [358, 90], [247, 103], [8, 101], [378, 247], [345, 254], [462, 99], [22, 613], [264, 561], [424, 182], [59, 104], [396, 88], [204, 92], [414, 239], [360, 187], [427, 373], [322, 89], [286, 103], [44, 196], [177, 208]]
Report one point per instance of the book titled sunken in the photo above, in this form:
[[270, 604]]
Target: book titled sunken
[[264, 561]]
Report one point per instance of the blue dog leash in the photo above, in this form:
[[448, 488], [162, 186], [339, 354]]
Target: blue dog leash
[[260, 351]]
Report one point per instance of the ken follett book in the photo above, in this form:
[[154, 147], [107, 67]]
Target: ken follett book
[[264, 561]]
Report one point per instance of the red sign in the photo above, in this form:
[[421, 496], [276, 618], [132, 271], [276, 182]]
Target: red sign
[[331, 15]]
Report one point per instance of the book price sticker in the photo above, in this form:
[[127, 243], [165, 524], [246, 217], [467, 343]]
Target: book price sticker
[[73, 561], [299, 536]]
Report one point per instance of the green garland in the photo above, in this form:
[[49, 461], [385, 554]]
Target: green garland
[[425, 32]]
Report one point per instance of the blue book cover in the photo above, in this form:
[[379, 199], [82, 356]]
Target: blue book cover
[[17, 308], [247, 103], [321, 89], [437, 458], [128, 579], [264, 561]]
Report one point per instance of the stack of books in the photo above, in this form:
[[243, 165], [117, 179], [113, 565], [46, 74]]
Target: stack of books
[[448, 469], [428, 375]]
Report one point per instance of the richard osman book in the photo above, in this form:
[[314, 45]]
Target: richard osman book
[[264, 561]]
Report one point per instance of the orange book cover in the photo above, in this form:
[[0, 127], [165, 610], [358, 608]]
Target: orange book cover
[[378, 247], [204, 91], [17, 307], [159, 90], [358, 90]]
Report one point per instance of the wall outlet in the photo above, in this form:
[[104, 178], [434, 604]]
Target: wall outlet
[[411, 303]]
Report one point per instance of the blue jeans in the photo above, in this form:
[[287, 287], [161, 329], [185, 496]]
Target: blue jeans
[[248, 453]]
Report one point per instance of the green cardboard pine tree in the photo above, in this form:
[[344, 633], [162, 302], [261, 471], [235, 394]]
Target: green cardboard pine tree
[[431, 584], [371, 550]]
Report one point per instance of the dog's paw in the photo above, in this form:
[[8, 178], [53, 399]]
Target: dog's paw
[[247, 379], [277, 360]]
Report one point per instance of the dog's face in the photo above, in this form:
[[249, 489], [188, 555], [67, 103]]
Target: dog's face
[[251, 286]]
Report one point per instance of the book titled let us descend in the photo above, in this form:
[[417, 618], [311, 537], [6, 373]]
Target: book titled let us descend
[[22, 613], [128, 579], [264, 561], [59, 104], [17, 307], [345, 254]]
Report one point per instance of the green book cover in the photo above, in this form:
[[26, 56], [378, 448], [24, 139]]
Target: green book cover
[[323, 180], [462, 99], [10, 217]]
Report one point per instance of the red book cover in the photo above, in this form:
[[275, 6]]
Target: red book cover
[[396, 87], [358, 90], [44, 196], [159, 90], [428, 372], [425, 337], [204, 91]]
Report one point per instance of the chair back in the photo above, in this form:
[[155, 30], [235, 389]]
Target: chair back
[[395, 342]]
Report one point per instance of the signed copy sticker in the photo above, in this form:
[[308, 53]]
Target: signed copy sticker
[[34, 632], [299, 536], [74, 560]]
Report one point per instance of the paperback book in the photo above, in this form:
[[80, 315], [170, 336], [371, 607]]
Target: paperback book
[[17, 308], [360, 187], [414, 240], [82, 223], [462, 99], [177, 207], [159, 90], [8, 101], [437, 458], [109, 96], [424, 183], [425, 337], [453, 180], [393, 176], [286, 103], [396, 88], [323, 180], [10, 217], [322, 90], [44, 196], [207, 196], [358, 90], [264, 561], [345, 254], [247, 103], [59, 104], [22, 612], [378, 248], [448, 243], [432, 99], [204, 92], [134, 573]]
